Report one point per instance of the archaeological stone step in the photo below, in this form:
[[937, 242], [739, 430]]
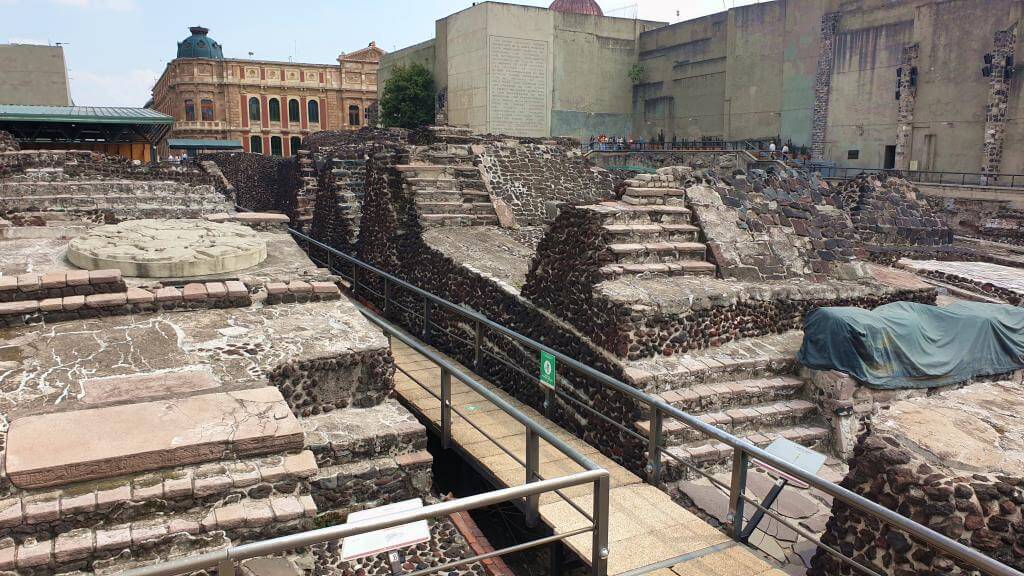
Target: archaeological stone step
[[623, 213], [435, 195], [721, 395], [459, 219], [711, 455], [82, 504], [265, 517], [740, 419], [455, 207], [116, 440], [655, 252], [640, 233], [674, 268], [357, 434]]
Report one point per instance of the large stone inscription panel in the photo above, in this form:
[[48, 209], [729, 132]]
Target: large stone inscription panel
[[517, 101]]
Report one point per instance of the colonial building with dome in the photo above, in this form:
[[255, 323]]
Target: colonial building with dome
[[268, 106], [532, 71]]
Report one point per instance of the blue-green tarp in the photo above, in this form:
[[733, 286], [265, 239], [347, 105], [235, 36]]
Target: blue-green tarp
[[910, 345]]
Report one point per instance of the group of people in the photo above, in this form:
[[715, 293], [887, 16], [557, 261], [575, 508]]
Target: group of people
[[604, 142], [774, 153]]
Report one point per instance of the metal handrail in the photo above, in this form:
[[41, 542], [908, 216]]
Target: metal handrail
[[743, 450], [535, 485], [225, 559], [928, 176]]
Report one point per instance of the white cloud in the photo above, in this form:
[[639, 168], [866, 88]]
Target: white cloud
[[112, 5], [130, 88]]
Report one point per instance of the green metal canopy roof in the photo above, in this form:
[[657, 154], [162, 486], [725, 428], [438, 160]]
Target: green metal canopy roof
[[199, 144], [83, 114]]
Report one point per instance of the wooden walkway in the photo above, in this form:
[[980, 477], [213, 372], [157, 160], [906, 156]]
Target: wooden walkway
[[645, 528]]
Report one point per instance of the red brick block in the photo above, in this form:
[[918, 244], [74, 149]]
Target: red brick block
[[236, 289], [51, 304], [277, 288], [53, 280], [139, 296], [194, 291], [77, 277], [104, 276], [28, 282], [73, 302], [413, 459], [300, 287], [325, 288], [106, 300], [216, 289], [8, 282], [168, 294], [24, 307]]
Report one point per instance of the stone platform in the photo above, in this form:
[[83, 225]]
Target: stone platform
[[284, 260], [488, 250], [168, 248], [53, 367], [994, 280], [107, 441]]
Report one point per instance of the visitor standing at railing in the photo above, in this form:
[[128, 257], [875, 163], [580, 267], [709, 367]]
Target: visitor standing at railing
[[771, 149]]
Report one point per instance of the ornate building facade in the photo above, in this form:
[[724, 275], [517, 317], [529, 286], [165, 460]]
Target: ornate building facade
[[269, 106]]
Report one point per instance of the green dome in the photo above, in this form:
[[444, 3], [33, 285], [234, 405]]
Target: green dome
[[199, 45]]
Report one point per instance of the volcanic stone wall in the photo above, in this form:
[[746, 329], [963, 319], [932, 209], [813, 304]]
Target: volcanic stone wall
[[890, 211], [262, 183], [525, 175], [995, 220], [769, 226], [982, 511], [84, 165], [8, 143], [391, 238]]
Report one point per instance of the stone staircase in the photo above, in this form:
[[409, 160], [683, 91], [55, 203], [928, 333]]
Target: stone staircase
[[447, 187], [209, 468], [746, 388], [650, 230]]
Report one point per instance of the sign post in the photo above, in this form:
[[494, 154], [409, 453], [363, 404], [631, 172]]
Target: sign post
[[547, 369]]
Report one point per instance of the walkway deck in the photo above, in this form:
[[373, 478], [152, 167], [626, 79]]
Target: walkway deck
[[646, 527]]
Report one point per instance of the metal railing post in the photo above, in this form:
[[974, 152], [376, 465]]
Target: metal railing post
[[446, 408], [478, 344], [330, 262], [426, 320], [654, 446], [599, 548], [736, 490], [226, 567], [532, 469]]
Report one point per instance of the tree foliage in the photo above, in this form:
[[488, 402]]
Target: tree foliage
[[408, 99]]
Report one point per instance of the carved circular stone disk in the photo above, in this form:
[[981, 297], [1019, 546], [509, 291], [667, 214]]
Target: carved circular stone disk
[[168, 248]]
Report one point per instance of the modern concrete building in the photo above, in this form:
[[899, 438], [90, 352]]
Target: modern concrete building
[[526, 71], [913, 84], [268, 106], [33, 75]]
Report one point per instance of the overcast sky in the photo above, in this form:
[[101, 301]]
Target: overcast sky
[[116, 49]]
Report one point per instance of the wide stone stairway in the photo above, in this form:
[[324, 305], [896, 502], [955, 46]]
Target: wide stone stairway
[[447, 187]]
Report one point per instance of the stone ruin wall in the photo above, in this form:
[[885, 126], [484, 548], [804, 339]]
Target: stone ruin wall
[[994, 220], [8, 143], [524, 176], [391, 238], [262, 183], [890, 211], [981, 510]]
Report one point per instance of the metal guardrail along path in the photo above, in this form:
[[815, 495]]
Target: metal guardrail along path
[[647, 530]]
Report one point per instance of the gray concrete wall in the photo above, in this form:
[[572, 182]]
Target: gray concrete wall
[[33, 75], [422, 53]]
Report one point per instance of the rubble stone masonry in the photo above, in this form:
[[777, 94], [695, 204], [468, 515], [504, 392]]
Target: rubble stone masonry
[[998, 96], [823, 83], [905, 113]]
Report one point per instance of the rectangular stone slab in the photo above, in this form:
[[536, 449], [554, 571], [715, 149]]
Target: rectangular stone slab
[[64, 447]]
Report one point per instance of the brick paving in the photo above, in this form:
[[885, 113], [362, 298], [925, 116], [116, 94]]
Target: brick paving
[[645, 527]]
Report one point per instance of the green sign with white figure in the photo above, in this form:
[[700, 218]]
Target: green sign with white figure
[[547, 369]]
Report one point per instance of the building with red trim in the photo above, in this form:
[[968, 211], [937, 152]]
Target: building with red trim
[[269, 106]]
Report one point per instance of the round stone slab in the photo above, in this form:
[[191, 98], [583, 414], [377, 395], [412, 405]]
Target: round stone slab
[[168, 248]]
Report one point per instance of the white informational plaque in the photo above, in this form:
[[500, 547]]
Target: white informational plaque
[[800, 456], [373, 543]]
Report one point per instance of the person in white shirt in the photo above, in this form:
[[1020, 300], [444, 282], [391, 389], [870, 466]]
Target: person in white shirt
[[785, 151], [771, 149]]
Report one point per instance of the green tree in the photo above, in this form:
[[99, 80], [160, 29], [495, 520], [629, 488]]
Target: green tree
[[408, 99]]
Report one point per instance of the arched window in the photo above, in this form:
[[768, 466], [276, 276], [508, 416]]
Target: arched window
[[275, 145], [256, 144], [254, 109], [295, 142], [353, 115], [206, 108], [190, 111], [314, 111], [293, 110], [274, 110]]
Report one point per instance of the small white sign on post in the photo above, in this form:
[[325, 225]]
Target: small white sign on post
[[373, 543]]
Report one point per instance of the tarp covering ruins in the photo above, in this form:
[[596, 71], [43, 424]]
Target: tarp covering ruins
[[910, 345]]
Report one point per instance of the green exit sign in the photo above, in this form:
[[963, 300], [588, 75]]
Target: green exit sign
[[547, 369]]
